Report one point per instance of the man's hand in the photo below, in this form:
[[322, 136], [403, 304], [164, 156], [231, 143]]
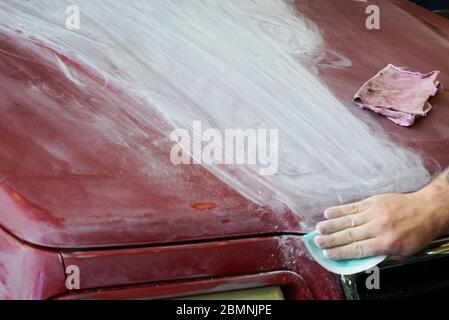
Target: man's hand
[[397, 225]]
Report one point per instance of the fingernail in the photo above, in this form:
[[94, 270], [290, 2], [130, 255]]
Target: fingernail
[[318, 228], [317, 241], [327, 213], [326, 253]]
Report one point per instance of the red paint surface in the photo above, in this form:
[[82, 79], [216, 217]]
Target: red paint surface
[[219, 259], [293, 287], [78, 189], [99, 198], [203, 206], [27, 272]]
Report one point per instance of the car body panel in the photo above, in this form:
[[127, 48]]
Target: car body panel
[[66, 183], [217, 259], [28, 272], [291, 284], [71, 194], [74, 175]]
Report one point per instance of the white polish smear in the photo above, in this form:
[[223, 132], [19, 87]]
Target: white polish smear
[[233, 64]]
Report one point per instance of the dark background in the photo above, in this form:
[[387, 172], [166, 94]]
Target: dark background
[[434, 4]]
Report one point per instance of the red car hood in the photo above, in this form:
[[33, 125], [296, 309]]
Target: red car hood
[[104, 198]]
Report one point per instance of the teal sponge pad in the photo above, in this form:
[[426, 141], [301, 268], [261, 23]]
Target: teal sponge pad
[[342, 267]]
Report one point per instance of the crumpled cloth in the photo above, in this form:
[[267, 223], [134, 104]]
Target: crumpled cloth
[[400, 95]]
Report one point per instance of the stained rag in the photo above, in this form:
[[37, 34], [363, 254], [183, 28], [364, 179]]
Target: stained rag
[[400, 95]]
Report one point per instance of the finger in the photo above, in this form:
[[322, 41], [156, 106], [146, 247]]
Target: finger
[[355, 250], [345, 237], [340, 211], [338, 224]]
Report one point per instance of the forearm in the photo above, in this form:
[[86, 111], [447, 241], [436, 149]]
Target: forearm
[[436, 194]]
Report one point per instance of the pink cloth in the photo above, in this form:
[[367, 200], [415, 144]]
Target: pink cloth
[[400, 95]]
